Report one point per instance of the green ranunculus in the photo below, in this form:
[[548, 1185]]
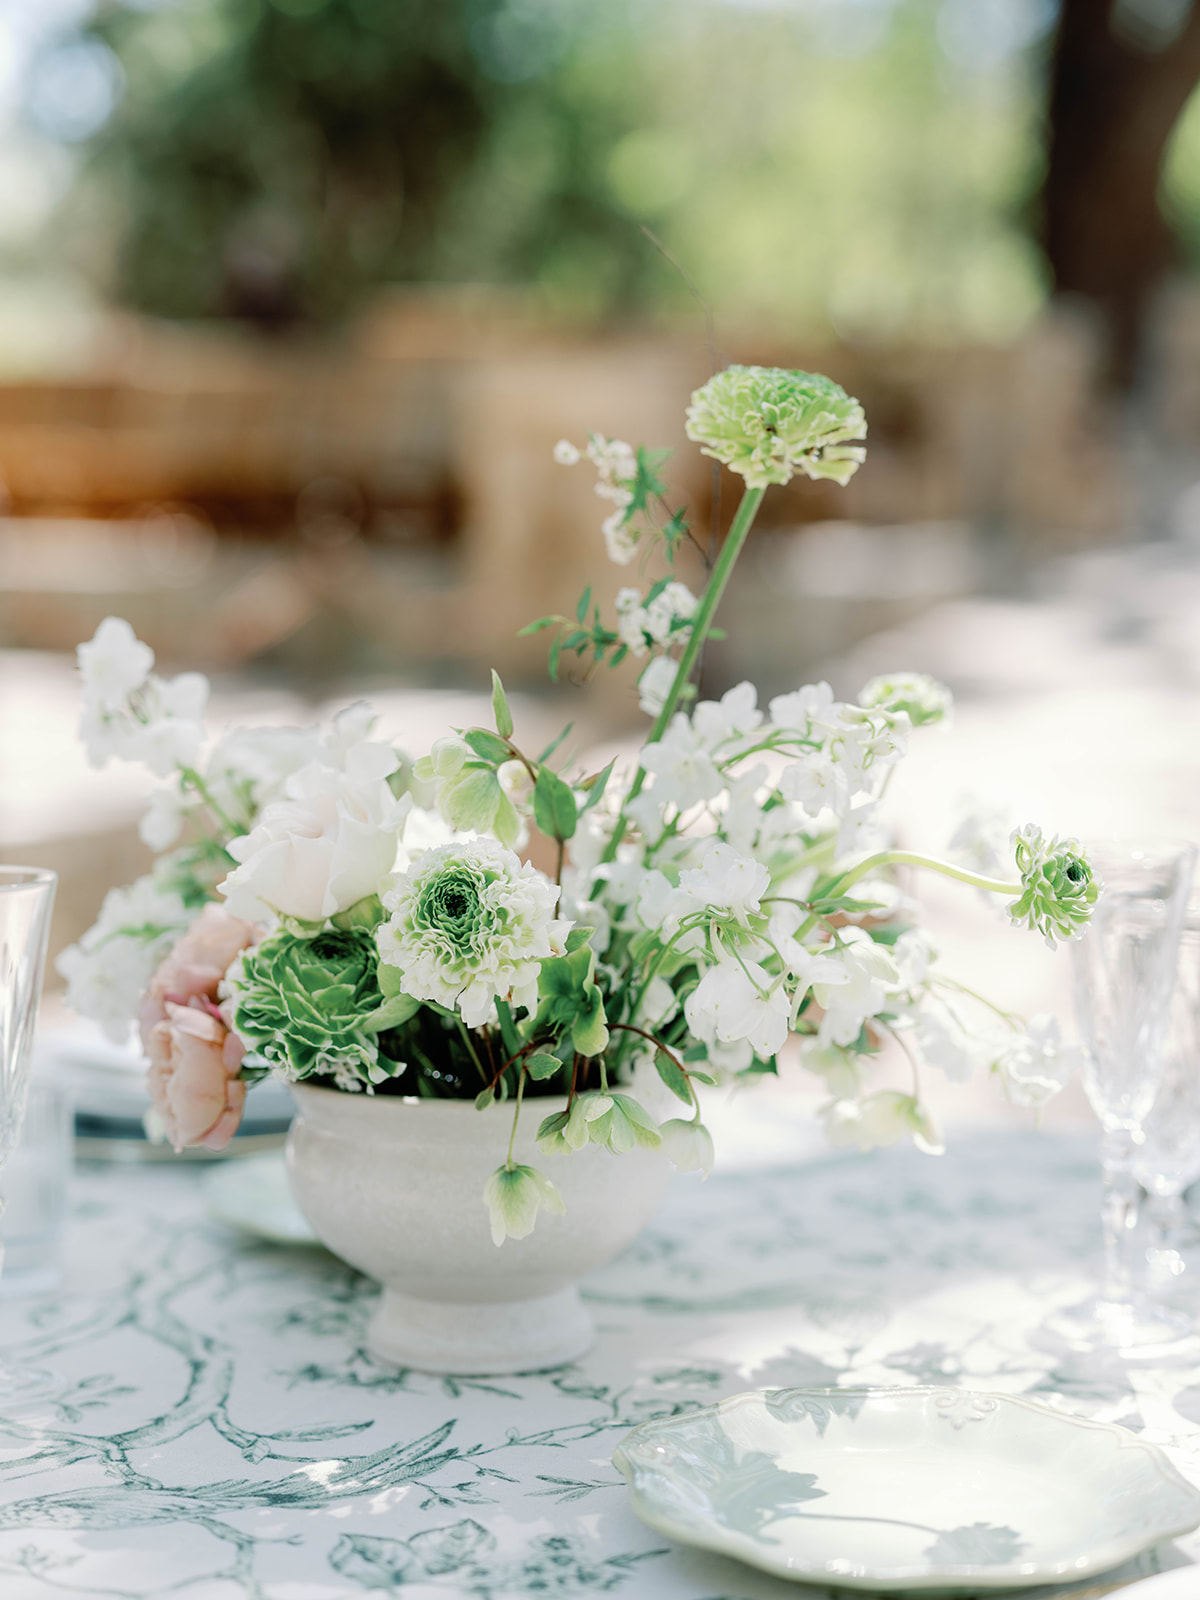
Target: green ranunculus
[[1059, 885], [768, 424], [313, 1006]]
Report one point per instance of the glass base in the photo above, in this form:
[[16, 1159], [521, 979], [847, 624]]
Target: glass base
[[1136, 1331], [22, 1386]]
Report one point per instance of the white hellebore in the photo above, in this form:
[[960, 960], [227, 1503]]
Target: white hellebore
[[324, 846]]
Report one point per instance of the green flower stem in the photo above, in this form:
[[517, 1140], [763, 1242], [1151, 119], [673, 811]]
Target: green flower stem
[[907, 858], [732, 548], [191, 779], [512, 1138], [467, 1040]]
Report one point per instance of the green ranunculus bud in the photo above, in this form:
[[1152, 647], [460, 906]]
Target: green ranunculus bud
[[1059, 886], [306, 1005], [768, 424]]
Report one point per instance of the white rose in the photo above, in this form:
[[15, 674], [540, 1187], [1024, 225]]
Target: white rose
[[328, 844]]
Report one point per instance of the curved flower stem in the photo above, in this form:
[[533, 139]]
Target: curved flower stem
[[730, 550], [908, 858], [466, 1033], [628, 1027]]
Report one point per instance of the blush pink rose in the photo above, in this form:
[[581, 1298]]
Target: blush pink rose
[[193, 1081], [195, 966]]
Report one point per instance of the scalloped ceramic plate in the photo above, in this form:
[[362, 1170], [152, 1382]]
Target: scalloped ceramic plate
[[905, 1491]]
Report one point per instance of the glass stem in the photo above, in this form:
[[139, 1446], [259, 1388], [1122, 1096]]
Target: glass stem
[[1118, 1215]]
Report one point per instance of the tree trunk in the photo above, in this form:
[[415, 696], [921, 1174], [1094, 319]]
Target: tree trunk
[[1113, 103]]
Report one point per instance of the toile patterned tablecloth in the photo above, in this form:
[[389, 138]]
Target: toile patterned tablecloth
[[225, 1435]]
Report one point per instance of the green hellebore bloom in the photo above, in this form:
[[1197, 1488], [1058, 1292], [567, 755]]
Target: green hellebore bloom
[[468, 791], [307, 1004], [768, 424], [1059, 886], [514, 1196]]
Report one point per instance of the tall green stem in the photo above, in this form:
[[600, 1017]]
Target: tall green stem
[[907, 858], [730, 550]]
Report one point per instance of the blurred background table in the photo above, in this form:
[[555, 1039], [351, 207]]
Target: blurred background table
[[224, 1433]]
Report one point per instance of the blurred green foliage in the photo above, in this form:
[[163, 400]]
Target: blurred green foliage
[[824, 162]]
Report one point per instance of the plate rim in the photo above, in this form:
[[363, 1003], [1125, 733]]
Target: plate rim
[[915, 1580]]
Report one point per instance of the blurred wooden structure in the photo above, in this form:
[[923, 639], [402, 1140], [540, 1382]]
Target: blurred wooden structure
[[235, 495]]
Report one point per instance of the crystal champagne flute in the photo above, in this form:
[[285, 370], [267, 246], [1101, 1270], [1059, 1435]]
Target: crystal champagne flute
[[1124, 971], [1168, 1161], [26, 901]]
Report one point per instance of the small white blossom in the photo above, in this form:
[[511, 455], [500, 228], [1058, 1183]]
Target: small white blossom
[[816, 782], [656, 683], [113, 664], [726, 881], [944, 1044], [1034, 1066], [684, 773], [735, 714], [110, 968], [513, 777], [870, 974], [731, 1002], [620, 538], [804, 709], [164, 818], [882, 1119], [566, 454]]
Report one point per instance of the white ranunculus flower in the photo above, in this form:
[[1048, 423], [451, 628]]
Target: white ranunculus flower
[[113, 663], [328, 844]]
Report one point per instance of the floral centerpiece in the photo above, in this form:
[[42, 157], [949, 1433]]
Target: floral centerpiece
[[325, 909]]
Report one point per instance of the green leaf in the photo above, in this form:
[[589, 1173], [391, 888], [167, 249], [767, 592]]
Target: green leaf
[[487, 745], [579, 937], [554, 808], [554, 743], [576, 640], [396, 1010], [552, 663], [540, 1066], [618, 655], [702, 1077], [366, 913], [833, 904], [484, 1099], [503, 716], [585, 600], [675, 1080], [536, 627], [390, 980], [596, 786]]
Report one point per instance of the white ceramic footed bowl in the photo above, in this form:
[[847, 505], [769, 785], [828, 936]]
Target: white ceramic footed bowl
[[395, 1187]]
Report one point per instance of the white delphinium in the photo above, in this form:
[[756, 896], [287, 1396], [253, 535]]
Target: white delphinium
[[806, 711], [721, 724], [726, 882], [110, 968], [469, 925]]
